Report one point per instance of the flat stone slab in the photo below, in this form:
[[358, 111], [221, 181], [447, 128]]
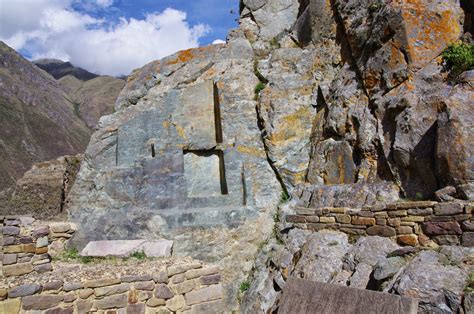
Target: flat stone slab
[[304, 296], [124, 248]]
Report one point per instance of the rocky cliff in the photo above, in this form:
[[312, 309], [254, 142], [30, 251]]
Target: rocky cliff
[[337, 104], [37, 121]]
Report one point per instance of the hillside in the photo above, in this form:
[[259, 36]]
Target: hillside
[[93, 95], [37, 120]]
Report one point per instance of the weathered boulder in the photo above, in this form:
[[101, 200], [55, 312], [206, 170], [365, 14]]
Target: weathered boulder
[[438, 287]]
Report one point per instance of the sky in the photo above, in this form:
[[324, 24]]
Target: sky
[[113, 37]]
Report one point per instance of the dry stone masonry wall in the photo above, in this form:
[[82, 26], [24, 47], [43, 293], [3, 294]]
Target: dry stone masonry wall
[[181, 287], [410, 223]]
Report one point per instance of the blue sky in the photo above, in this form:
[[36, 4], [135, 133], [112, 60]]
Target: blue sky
[[215, 13], [113, 37]]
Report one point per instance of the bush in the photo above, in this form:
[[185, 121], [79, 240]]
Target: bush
[[244, 286], [458, 57], [71, 253], [140, 255]]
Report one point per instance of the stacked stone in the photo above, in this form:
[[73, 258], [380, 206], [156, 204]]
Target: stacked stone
[[410, 223], [177, 289], [24, 251]]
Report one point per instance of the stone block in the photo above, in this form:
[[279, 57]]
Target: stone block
[[202, 295], [133, 278], [70, 297], [468, 239], [138, 308], [441, 228], [363, 221], [304, 296], [397, 213], [394, 222], [155, 302], [3, 293], [13, 248], [145, 285], [448, 209], [338, 210], [446, 240], [71, 286], [60, 227], [161, 277], [111, 290], [10, 231], [17, 269], [185, 286], [413, 219], [210, 280], [53, 285], [9, 259], [41, 302], [176, 303], [404, 230], [40, 232], [84, 306], [163, 292], [407, 239], [102, 282], [203, 174], [178, 269], [124, 248], [85, 293], [381, 221], [468, 225], [42, 242], [43, 268], [420, 211], [312, 219], [343, 218], [178, 278], [328, 220], [8, 240], [416, 204], [25, 240], [10, 306], [41, 250], [111, 302], [383, 231], [60, 310], [23, 290], [296, 219], [304, 211]]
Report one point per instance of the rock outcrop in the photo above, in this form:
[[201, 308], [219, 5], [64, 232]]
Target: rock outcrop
[[42, 191], [340, 103]]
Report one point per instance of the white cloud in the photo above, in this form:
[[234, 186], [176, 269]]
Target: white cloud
[[51, 28], [218, 41], [104, 3]]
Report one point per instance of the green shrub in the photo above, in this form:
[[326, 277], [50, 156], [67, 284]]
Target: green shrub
[[140, 255], [470, 283], [285, 197], [258, 88], [244, 286], [458, 57], [71, 253]]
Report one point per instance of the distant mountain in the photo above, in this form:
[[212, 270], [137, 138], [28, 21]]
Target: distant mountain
[[59, 69], [92, 95], [38, 120]]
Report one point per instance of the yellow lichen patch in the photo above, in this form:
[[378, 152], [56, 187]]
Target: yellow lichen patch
[[293, 125], [429, 30], [252, 151], [181, 131]]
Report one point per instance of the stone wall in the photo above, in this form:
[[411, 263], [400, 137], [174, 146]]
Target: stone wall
[[27, 246], [410, 223], [189, 287], [24, 251]]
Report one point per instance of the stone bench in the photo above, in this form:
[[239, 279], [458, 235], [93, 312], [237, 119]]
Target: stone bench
[[124, 248]]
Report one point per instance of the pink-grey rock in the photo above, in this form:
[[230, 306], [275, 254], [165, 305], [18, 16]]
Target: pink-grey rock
[[124, 248]]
